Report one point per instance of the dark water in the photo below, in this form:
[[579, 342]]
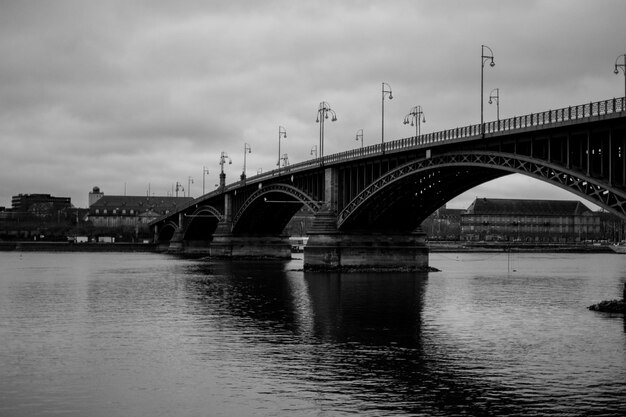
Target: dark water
[[151, 335]]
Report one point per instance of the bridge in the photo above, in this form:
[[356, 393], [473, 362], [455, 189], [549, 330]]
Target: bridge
[[369, 202]]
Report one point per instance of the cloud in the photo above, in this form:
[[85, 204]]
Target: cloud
[[150, 92]]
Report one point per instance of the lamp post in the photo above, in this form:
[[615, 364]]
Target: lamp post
[[314, 151], [495, 97], [205, 171], [382, 135], [322, 114], [179, 186], [246, 150], [223, 157], [189, 182], [359, 135], [483, 59], [623, 67], [415, 117], [282, 133]]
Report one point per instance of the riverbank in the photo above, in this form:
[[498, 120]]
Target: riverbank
[[610, 306], [516, 247], [434, 247], [76, 247]]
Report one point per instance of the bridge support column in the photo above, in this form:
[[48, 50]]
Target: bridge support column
[[227, 245], [334, 250], [231, 246], [177, 244]]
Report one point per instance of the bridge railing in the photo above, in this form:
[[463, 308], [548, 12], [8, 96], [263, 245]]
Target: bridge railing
[[572, 113], [599, 108]]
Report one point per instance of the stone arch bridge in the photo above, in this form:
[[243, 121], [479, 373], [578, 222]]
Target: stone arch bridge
[[368, 202]]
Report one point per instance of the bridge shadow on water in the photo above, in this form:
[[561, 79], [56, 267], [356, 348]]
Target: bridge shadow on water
[[359, 334]]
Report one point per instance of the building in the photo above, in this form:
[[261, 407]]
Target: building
[[443, 224], [37, 216], [129, 212], [40, 206], [493, 219]]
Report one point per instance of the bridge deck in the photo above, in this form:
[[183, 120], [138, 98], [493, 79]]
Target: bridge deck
[[572, 115]]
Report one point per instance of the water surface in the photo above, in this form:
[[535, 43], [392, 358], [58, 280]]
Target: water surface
[[111, 334]]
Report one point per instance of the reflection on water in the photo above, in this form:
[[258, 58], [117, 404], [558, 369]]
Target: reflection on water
[[145, 334]]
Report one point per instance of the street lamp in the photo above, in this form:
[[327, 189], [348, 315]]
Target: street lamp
[[189, 182], [314, 151], [484, 58], [382, 136], [495, 97], [205, 171], [359, 135], [282, 133], [223, 157], [179, 186], [322, 114], [415, 117], [246, 150], [623, 67]]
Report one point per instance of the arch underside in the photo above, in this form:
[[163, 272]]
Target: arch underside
[[202, 223], [268, 210], [404, 197], [167, 231]]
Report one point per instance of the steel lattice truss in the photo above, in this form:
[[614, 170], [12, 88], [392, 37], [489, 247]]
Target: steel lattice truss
[[213, 212], [294, 192], [592, 189], [171, 224]]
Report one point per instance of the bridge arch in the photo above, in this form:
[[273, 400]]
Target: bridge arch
[[166, 231], [202, 222], [423, 185], [268, 210]]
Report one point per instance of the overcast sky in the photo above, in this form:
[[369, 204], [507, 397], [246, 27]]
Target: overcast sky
[[137, 95]]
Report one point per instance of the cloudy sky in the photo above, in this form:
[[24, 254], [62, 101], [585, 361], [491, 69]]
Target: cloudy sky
[[134, 96]]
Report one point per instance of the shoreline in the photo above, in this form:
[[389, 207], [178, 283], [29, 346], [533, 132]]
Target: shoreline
[[433, 247], [27, 246]]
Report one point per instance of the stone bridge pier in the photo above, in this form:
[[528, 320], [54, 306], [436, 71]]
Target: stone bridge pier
[[330, 248], [226, 244]]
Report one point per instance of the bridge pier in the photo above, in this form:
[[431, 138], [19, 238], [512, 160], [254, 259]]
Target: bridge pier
[[188, 247], [231, 246], [347, 251], [177, 244], [331, 249], [225, 244]]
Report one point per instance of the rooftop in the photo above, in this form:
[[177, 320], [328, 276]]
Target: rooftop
[[139, 203], [527, 207]]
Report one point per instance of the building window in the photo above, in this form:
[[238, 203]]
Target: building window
[[105, 211], [123, 211], [97, 211]]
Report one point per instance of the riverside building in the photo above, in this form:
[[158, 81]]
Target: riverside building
[[493, 219], [118, 211]]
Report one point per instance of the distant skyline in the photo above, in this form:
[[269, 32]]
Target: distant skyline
[[136, 96]]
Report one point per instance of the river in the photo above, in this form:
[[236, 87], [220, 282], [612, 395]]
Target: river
[[141, 334]]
